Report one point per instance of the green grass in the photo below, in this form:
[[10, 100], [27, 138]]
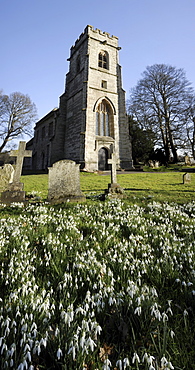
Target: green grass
[[139, 187]]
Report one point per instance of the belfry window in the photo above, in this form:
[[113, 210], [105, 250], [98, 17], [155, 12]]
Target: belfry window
[[104, 119], [103, 60]]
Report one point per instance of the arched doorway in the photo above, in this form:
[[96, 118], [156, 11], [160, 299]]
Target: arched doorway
[[103, 159]]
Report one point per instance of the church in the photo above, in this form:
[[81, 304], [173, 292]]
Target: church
[[91, 122]]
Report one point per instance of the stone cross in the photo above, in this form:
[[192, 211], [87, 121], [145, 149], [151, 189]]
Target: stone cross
[[20, 154], [112, 161]]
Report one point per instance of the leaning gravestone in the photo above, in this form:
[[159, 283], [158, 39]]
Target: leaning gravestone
[[64, 182], [15, 192], [6, 176]]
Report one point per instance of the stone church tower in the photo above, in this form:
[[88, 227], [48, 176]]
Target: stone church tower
[[90, 123]]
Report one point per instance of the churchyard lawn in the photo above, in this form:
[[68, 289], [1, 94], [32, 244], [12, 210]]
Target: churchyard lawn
[[100, 285], [139, 187]]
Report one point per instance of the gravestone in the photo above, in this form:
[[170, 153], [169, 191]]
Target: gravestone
[[186, 178], [151, 163], [15, 192], [64, 182], [6, 176], [114, 189], [187, 160]]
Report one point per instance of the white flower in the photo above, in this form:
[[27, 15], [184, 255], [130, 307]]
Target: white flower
[[135, 358], [119, 364], [59, 353], [138, 310], [163, 361], [91, 343], [11, 362], [107, 365], [164, 317], [126, 362]]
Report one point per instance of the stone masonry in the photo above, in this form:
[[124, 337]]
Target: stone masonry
[[91, 120]]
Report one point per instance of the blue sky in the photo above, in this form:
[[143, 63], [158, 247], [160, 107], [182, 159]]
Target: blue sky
[[36, 36]]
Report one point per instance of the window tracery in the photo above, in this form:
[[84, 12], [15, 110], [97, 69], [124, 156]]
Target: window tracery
[[103, 59], [104, 119]]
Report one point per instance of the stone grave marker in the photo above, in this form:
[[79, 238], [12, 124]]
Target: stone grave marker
[[15, 192], [186, 178], [6, 176], [114, 189], [64, 182]]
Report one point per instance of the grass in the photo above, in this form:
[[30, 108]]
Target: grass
[[139, 187]]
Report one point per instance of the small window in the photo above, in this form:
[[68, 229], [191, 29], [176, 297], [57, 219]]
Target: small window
[[103, 60], [104, 84]]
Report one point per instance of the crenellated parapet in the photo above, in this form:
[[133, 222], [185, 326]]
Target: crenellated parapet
[[96, 33]]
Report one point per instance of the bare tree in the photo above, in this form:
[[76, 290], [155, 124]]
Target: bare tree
[[17, 115], [160, 102]]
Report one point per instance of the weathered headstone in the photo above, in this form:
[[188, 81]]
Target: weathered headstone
[[186, 178], [64, 182], [6, 176], [114, 189], [151, 163], [15, 192], [187, 160]]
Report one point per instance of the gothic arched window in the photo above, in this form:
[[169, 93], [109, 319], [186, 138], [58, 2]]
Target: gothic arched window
[[104, 119], [103, 59]]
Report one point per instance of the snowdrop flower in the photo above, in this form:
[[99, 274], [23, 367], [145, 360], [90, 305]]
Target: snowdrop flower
[[21, 366], [59, 353], [56, 332], [91, 343], [119, 364], [82, 340], [138, 310], [163, 361], [126, 362], [135, 358], [11, 364], [164, 317], [150, 360], [169, 366], [107, 365]]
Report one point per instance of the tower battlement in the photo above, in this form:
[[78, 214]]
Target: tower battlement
[[89, 31]]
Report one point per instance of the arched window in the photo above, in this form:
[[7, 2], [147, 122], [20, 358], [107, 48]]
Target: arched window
[[104, 119], [103, 59]]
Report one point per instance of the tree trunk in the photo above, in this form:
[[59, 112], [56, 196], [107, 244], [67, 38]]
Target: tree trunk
[[172, 145], [4, 143], [193, 140]]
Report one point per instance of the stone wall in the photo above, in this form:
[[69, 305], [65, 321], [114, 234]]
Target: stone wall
[[88, 83]]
